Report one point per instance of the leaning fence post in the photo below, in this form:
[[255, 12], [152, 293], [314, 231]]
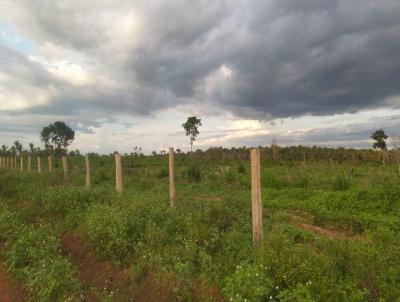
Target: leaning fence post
[[29, 164], [87, 164], [171, 178], [118, 173], [256, 196], [50, 163], [22, 163], [65, 168], [38, 165]]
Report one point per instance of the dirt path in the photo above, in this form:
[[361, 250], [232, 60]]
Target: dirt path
[[97, 276], [300, 218], [10, 290]]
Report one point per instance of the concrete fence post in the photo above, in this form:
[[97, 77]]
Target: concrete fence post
[[171, 178], [50, 163], [256, 197], [29, 163], [65, 168], [21, 159], [39, 167], [118, 173], [87, 164]]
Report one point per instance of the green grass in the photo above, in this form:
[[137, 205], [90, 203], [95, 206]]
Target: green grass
[[208, 235]]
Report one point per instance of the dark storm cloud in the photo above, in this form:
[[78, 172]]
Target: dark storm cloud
[[263, 59]]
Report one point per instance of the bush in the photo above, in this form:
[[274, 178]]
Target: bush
[[241, 168], [108, 229], [249, 283], [35, 257], [9, 224]]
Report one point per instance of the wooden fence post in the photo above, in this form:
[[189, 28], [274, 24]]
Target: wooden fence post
[[1, 162], [87, 164], [22, 163], [12, 163], [118, 173], [171, 178], [50, 163], [15, 163], [38, 165], [65, 168], [256, 197], [29, 164]]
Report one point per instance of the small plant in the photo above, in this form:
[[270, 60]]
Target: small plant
[[192, 173], [163, 173], [341, 183], [241, 168], [302, 181]]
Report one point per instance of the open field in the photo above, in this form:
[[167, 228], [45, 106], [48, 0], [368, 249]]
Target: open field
[[331, 231]]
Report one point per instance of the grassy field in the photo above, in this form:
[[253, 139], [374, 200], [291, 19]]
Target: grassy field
[[332, 232]]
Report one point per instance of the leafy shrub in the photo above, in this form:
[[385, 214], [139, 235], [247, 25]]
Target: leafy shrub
[[108, 229], [163, 173], [249, 283], [9, 224], [59, 201], [241, 168], [35, 257]]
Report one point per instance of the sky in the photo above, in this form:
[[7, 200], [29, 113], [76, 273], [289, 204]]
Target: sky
[[128, 73]]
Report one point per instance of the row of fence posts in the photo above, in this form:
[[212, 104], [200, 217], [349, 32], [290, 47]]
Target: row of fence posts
[[11, 162]]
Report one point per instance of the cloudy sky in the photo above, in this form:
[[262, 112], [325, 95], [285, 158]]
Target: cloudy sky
[[127, 73]]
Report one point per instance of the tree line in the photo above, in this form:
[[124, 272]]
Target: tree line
[[57, 136]]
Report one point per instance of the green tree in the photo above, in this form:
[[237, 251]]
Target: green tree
[[57, 136], [379, 138], [31, 148], [18, 147], [4, 149], [192, 129]]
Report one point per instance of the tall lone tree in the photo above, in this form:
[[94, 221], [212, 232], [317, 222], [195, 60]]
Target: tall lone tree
[[31, 148], [57, 136], [379, 138], [192, 129], [18, 147]]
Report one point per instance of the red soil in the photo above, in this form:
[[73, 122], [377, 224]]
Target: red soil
[[154, 286], [97, 276], [10, 290]]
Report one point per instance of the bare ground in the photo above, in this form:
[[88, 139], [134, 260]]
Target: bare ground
[[10, 289]]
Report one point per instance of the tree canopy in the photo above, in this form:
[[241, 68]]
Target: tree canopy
[[192, 129], [379, 138], [57, 136]]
